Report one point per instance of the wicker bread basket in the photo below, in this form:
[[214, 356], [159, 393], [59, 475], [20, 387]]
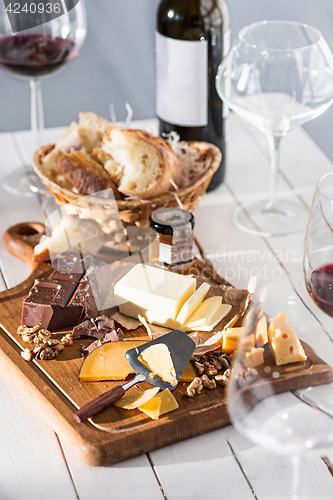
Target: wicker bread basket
[[137, 211]]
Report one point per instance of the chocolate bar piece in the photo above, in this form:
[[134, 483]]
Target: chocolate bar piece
[[46, 305], [84, 297], [68, 266], [102, 328]]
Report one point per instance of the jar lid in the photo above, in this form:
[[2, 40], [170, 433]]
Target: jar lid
[[165, 220]]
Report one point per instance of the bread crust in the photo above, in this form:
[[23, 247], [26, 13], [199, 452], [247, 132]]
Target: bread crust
[[86, 175], [173, 171]]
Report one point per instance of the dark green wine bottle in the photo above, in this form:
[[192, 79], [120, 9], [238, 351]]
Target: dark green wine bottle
[[190, 43]]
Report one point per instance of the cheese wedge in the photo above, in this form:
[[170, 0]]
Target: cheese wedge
[[108, 362], [261, 332], [231, 338], [204, 314], [191, 305], [189, 373], [162, 403], [254, 357], [139, 398], [283, 341], [156, 294], [159, 362]]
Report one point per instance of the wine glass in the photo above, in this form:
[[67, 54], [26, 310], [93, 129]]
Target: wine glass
[[264, 399], [277, 75], [34, 54]]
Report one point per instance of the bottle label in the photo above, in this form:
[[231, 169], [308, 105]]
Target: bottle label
[[181, 81]]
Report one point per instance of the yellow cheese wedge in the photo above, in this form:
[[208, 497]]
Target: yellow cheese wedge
[[135, 399], [283, 341], [108, 362], [218, 316], [162, 403], [191, 305], [159, 361], [254, 357], [204, 314], [156, 294], [261, 332], [189, 373]]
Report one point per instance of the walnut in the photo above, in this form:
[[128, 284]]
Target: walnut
[[200, 368], [222, 379], [195, 387], [207, 382], [245, 375], [26, 354], [210, 369], [67, 339], [35, 334], [49, 350]]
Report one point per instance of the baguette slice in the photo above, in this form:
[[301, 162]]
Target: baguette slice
[[86, 175], [90, 129], [143, 166]]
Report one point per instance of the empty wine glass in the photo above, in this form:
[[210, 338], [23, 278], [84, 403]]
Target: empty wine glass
[[264, 397], [277, 75], [34, 54]]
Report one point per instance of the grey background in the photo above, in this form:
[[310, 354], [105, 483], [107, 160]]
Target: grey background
[[116, 64]]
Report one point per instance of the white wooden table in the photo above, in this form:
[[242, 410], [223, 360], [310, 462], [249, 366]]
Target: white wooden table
[[36, 464]]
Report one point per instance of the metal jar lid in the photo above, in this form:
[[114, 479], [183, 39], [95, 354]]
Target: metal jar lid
[[165, 220]]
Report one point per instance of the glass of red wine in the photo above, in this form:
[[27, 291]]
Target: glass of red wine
[[318, 272], [34, 54]]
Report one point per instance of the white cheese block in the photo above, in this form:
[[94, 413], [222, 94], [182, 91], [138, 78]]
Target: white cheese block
[[204, 313], [191, 305], [283, 341], [156, 294], [222, 311], [159, 361]]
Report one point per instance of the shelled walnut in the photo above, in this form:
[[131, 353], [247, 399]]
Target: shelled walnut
[[45, 346], [211, 369]]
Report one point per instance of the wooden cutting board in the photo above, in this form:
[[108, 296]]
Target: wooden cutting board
[[114, 435]]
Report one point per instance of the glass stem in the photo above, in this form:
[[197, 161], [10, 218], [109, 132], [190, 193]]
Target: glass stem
[[37, 115], [274, 146]]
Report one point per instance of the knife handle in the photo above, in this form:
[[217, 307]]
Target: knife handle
[[99, 404]]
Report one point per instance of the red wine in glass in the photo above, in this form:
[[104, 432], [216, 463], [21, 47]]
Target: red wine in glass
[[320, 287], [35, 55]]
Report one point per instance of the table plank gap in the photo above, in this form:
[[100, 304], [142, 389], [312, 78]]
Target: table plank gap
[[65, 460], [242, 470], [156, 475]]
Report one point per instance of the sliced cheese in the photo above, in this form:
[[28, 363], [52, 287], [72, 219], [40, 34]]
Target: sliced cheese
[[162, 403], [204, 314], [283, 341], [218, 316], [135, 399], [254, 357], [157, 294], [261, 332], [159, 361], [191, 305], [108, 362]]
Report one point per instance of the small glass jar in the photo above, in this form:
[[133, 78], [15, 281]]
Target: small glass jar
[[173, 247]]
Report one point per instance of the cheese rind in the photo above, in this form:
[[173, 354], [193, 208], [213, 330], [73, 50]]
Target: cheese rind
[[191, 305], [135, 399], [284, 344], [108, 362], [159, 361], [204, 313], [156, 294], [162, 403]]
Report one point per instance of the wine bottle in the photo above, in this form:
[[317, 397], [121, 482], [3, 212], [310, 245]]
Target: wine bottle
[[191, 38]]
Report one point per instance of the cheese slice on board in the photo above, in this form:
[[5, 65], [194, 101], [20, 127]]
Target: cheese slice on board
[[284, 344], [162, 403], [156, 294], [218, 316], [159, 362], [108, 362], [191, 305], [135, 399], [204, 314]]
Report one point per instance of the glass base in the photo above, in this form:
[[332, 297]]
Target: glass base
[[24, 183], [281, 220]]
